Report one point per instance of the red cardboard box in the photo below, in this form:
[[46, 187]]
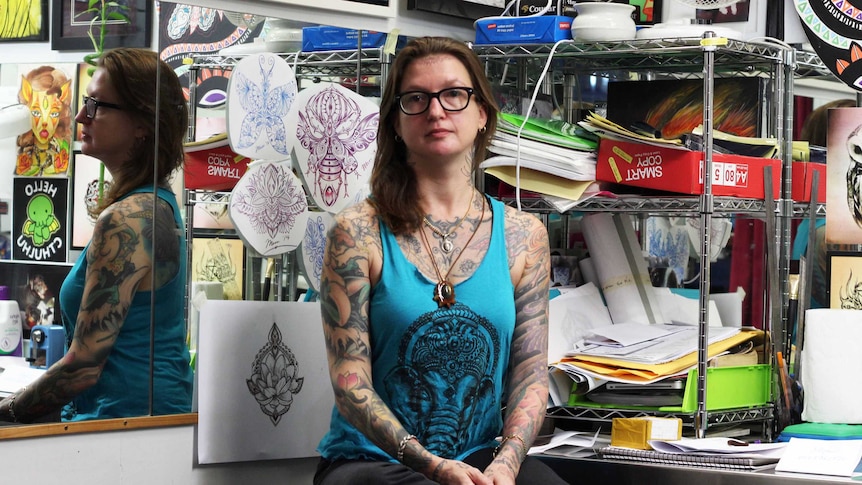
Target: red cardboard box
[[803, 178], [212, 165], [675, 170]]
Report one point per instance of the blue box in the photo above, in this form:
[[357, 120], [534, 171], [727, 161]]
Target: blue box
[[544, 29], [325, 38]]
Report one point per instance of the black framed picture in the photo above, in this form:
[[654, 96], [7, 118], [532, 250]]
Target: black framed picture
[[70, 24], [465, 9], [24, 21]]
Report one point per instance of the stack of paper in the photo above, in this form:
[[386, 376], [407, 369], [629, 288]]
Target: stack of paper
[[672, 355], [549, 157]]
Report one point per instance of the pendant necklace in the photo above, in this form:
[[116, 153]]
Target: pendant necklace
[[448, 245], [444, 291]]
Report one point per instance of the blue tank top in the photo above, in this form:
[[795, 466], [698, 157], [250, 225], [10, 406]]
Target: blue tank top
[[441, 371], [123, 387]]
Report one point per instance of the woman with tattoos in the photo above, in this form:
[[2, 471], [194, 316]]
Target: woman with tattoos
[[137, 247], [435, 297]]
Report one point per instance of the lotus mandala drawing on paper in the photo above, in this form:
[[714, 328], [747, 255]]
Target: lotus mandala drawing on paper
[[275, 378]]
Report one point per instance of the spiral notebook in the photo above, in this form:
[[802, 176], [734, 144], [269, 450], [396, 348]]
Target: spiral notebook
[[707, 460]]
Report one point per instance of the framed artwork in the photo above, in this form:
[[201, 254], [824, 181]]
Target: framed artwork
[[186, 29], [647, 12], [83, 81], [843, 176], [23, 21], [673, 107], [222, 260], [85, 193], [47, 90], [845, 280], [40, 218], [36, 288], [466, 9], [70, 25]]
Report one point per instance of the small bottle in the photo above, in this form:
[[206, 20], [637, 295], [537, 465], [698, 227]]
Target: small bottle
[[11, 331]]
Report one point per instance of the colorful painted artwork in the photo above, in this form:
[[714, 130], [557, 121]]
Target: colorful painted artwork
[[23, 20], [185, 30], [268, 208], [47, 91], [39, 215], [336, 134], [834, 29], [261, 91], [675, 107]]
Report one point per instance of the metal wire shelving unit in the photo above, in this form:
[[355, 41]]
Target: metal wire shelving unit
[[521, 66]]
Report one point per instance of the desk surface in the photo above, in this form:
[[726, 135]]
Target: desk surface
[[593, 469]]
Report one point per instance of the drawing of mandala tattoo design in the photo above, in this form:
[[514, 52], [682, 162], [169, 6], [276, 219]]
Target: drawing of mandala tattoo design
[[274, 380]]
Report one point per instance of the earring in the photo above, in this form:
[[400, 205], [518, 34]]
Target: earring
[[397, 138], [483, 129]]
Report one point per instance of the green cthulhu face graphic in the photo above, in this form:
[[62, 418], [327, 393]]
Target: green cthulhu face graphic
[[41, 222]]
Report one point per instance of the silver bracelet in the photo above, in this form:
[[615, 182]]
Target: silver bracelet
[[402, 446]]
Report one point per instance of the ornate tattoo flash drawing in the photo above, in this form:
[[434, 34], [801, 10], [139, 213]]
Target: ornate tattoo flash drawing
[[275, 377], [335, 129], [266, 205], [256, 125], [312, 247]]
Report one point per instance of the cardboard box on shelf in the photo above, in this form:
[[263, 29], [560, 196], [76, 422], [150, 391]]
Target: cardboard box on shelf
[[523, 30], [637, 432], [803, 178], [679, 170]]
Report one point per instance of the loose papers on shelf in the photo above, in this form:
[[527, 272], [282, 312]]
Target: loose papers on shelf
[[671, 342], [627, 369]]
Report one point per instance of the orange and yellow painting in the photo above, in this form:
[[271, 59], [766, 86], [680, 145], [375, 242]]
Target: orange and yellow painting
[[45, 149]]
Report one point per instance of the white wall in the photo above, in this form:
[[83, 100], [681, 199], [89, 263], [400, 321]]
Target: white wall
[[160, 456]]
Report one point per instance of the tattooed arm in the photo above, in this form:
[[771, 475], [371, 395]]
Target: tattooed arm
[[527, 399], [351, 263], [118, 259]]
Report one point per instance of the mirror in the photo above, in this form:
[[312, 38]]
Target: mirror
[[209, 100]]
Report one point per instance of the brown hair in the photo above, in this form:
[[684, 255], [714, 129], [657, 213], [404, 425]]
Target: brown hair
[[814, 129], [132, 72], [393, 182]]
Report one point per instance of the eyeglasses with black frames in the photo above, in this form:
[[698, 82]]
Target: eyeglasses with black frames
[[93, 104], [417, 102]]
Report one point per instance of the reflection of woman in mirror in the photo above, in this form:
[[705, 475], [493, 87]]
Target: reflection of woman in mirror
[[44, 150], [137, 245]]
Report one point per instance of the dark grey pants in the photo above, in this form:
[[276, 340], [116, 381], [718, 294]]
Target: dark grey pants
[[359, 472]]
